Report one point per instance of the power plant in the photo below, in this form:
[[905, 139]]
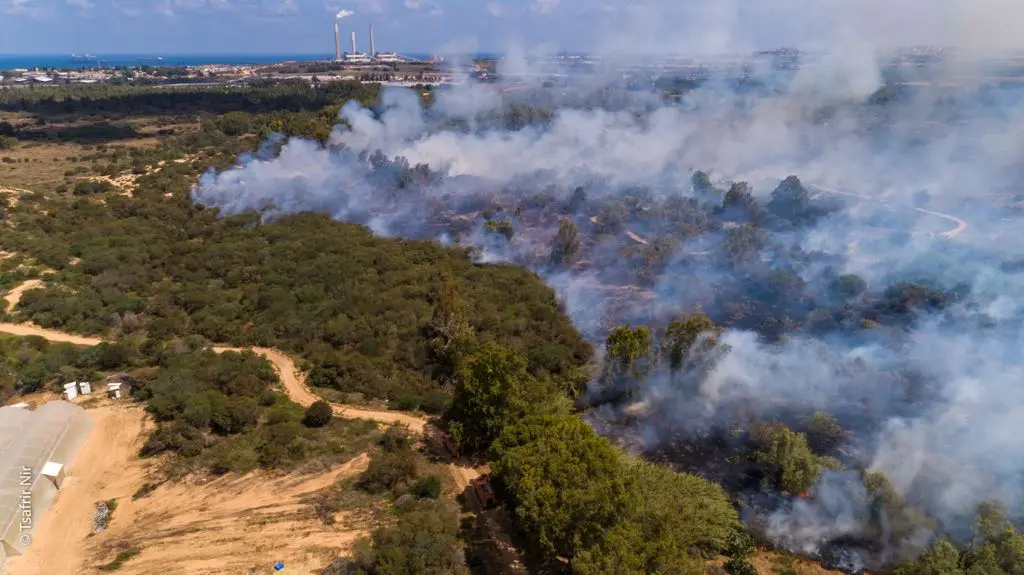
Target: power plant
[[337, 41], [355, 57]]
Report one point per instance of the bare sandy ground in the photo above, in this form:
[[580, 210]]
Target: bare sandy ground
[[636, 237], [14, 296], [229, 525], [27, 329], [106, 467]]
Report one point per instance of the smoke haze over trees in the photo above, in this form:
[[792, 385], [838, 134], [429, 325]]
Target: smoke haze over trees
[[802, 284]]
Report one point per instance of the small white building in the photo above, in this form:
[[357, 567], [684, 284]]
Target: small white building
[[70, 390], [114, 390], [84, 387], [54, 472]]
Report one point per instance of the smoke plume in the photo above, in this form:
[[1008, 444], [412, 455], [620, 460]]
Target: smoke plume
[[910, 177]]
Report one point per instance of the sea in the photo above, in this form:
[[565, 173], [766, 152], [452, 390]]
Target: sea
[[70, 61]]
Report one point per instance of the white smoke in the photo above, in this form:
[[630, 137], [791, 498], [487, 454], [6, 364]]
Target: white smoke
[[962, 148]]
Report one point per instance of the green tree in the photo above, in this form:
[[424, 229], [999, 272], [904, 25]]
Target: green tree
[[565, 483], [941, 559], [675, 520], [824, 432], [488, 395], [682, 334], [628, 349], [318, 414], [422, 541], [451, 335], [566, 245], [789, 461]]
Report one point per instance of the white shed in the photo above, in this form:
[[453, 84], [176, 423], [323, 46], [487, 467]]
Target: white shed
[[54, 472], [84, 387], [70, 390], [114, 390]]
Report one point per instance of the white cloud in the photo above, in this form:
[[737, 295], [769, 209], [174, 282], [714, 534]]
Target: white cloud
[[495, 9], [544, 6], [81, 4], [24, 8], [428, 7]]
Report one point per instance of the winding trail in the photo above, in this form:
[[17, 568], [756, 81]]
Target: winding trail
[[293, 380], [961, 225]]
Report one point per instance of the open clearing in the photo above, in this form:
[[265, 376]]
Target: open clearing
[[229, 525]]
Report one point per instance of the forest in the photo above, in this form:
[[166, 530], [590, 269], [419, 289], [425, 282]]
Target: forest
[[487, 348]]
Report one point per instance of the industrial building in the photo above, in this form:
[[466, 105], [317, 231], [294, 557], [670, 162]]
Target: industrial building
[[36, 448]]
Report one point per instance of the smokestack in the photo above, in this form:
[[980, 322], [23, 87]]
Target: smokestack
[[337, 41], [354, 42], [373, 50]]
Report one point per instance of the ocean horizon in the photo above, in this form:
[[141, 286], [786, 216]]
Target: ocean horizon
[[68, 61]]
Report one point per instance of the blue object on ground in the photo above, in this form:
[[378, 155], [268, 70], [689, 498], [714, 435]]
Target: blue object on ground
[[278, 566]]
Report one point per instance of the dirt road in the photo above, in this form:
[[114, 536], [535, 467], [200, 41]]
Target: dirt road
[[961, 225], [27, 329], [294, 383]]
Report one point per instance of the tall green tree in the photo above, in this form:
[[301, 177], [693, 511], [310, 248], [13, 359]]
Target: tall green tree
[[451, 335], [566, 245], [682, 334], [488, 395], [628, 350], [565, 483]]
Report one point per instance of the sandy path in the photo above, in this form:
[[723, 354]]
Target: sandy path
[[27, 329], [14, 296], [105, 467], [295, 386], [961, 225], [636, 238]]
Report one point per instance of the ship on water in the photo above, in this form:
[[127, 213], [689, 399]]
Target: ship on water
[[83, 58]]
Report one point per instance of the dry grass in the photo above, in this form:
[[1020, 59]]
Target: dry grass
[[41, 165]]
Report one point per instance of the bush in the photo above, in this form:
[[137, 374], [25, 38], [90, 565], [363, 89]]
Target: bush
[[405, 403], [737, 566], [121, 558], [387, 471], [427, 488], [90, 187], [318, 415], [395, 439]]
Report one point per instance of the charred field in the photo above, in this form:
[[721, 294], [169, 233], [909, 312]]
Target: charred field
[[807, 296]]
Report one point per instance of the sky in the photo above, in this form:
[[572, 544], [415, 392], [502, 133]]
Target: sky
[[462, 26]]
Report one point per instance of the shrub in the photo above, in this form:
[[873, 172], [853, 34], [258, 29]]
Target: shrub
[[737, 566], [427, 488], [387, 471], [395, 438], [405, 403], [318, 415], [120, 559]]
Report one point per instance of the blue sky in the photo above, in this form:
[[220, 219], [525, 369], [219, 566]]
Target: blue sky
[[281, 26], [293, 26]]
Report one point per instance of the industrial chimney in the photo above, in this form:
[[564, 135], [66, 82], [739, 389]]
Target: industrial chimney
[[354, 42], [373, 49], [337, 41]]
